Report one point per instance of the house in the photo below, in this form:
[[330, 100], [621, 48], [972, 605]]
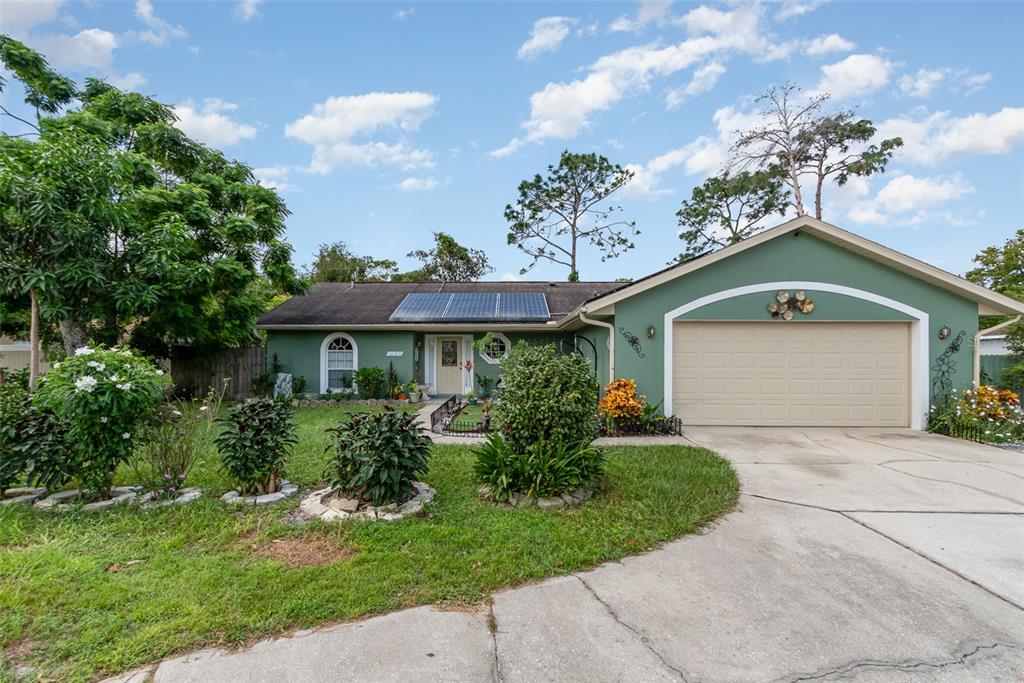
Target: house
[[804, 324]]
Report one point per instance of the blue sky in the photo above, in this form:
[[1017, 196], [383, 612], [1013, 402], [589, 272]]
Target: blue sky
[[382, 122]]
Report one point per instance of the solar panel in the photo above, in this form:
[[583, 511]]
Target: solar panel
[[472, 307], [523, 306]]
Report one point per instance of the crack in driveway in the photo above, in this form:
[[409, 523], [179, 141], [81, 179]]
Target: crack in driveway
[[640, 636], [953, 483], [958, 659]]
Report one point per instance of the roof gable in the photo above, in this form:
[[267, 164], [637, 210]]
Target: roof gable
[[990, 303]]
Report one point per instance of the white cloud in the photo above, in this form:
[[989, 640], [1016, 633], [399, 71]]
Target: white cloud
[[402, 14], [128, 81], [975, 82], [562, 110], [907, 199], [333, 124], [247, 9], [210, 124], [854, 76], [91, 48], [922, 83], [650, 12], [797, 8], [414, 184], [510, 277], [703, 79], [940, 136], [823, 45], [21, 15], [547, 36], [276, 177], [159, 31], [704, 156]]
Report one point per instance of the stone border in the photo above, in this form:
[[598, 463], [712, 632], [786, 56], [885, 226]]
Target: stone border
[[187, 495], [22, 495], [318, 504], [288, 490], [520, 500], [333, 402], [121, 495]]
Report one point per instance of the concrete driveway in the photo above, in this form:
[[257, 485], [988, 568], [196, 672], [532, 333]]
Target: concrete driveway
[[874, 555]]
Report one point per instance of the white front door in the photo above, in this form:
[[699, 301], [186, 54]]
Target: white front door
[[449, 365]]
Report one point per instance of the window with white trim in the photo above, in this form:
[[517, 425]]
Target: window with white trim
[[496, 350], [340, 363]]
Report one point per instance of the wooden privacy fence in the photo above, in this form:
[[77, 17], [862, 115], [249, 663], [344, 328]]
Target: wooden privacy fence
[[198, 375]]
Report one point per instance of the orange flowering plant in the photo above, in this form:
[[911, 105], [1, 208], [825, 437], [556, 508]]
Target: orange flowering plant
[[986, 414], [622, 409]]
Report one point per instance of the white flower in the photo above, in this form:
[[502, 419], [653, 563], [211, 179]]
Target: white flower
[[86, 384], [56, 365], [159, 371], [126, 435], [103, 420], [125, 387], [204, 408], [114, 378], [96, 364], [126, 352], [177, 413], [84, 351]]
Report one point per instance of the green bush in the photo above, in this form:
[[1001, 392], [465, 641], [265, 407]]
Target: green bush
[[104, 396], [377, 456], [254, 442], [33, 445], [371, 382], [546, 398], [541, 470]]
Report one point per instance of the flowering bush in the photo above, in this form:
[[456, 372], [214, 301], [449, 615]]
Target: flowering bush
[[986, 414], [621, 402], [103, 396]]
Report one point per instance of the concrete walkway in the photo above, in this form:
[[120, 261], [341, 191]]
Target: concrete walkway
[[869, 555]]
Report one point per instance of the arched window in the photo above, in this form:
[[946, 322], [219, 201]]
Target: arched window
[[338, 362]]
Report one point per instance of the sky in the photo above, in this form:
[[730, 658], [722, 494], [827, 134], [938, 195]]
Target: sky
[[380, 123]]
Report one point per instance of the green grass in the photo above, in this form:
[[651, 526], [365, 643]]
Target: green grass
[[188, 576]]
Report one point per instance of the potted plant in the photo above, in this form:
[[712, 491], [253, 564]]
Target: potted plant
[[471, 397], [414, 391]]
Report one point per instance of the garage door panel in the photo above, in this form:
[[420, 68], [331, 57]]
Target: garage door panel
[[806, 373]]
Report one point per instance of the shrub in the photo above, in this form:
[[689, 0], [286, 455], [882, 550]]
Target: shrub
[[104, 396], [542, 470], [371, 382], [546, 398], [33, 444], [394, 384], [622, 409], [377, 456], [173, 441], [254, 442], [987, 414]]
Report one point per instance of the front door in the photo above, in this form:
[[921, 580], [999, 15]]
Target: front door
[[449, 365]]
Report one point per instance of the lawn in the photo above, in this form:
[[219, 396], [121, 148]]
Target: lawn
[[83, 595]]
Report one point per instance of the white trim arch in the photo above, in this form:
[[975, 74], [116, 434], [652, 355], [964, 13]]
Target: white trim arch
[[323, 357], [918, 335]]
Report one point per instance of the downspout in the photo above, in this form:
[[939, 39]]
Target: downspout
[[977, 346], [611, 342]]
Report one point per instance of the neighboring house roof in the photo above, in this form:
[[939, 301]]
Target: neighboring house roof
[[994, 345], [989, 302], [335, 304]]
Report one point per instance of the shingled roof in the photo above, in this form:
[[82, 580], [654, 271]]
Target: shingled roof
[[371, 303]]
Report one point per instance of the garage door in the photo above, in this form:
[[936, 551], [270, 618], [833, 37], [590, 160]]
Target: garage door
[[791, 373]]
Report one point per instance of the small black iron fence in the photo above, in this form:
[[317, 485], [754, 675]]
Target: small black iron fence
[[444, 413], [660, 426], [958, 430]]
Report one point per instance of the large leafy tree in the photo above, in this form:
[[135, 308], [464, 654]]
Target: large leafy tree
[[556, 214], [450, 261], [183, 246], [1001, 268], [338, 263], [809, 144], [728, 208]]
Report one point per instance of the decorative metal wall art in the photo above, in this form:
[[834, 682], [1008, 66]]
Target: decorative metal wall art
[[786, 306], [633, 341], [944, 367]]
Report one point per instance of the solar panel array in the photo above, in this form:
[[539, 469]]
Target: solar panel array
[[472, 307]]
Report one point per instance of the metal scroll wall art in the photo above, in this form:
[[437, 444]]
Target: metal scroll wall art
[[945, 366], [633, 341], [785, 306]]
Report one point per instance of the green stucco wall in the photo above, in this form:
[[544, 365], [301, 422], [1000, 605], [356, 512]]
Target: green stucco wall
[[299, 352], [794, 257]]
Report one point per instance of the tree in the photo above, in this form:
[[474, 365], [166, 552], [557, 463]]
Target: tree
[[449, 261], [729, 208], [554, 214], [337, 263], [179, 252], [803, 140], [1001, 268]]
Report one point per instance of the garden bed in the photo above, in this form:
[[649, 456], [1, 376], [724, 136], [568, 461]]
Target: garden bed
[[181, 577]]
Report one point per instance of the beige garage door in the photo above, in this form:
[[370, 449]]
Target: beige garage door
[[791, 373]]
